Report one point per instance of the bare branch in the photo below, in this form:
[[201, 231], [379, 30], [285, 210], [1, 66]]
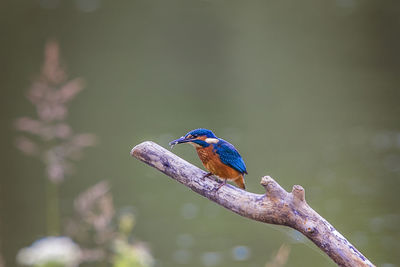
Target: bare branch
[[276, 206]]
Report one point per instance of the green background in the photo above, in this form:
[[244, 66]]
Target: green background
[[308, 91]]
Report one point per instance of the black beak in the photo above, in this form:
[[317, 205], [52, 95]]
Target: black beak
[[180, 141]]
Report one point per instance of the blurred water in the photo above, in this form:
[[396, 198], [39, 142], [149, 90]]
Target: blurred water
[[307, 91]]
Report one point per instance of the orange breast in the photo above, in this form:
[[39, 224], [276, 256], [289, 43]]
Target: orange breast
[[213, 164]]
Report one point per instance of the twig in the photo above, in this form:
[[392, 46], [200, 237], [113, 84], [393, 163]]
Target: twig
[[276, 206]]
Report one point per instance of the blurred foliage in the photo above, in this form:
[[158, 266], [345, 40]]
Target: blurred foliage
[[307, 91], [281, 257], [93, 223], [50, 93], [127, 255]]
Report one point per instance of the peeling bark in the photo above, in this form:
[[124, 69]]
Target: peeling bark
[[276, 206]]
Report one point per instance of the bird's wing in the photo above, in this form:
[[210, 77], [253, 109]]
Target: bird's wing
[[230, 156]]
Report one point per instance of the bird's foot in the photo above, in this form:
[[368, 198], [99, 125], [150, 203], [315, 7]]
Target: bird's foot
[[221, 185], [207, 175]]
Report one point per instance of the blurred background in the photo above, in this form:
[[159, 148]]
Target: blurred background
[[308, 91]]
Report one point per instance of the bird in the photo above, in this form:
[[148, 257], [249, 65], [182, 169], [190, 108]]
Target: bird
[[218, 156]]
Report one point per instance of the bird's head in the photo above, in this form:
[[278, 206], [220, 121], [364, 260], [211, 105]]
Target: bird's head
[[198, 137]]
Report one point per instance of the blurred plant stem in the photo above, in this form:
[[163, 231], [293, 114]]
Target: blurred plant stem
[[52, 209], [281, 257]]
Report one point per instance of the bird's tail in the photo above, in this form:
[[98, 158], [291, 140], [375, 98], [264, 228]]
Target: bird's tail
[[240, 182]]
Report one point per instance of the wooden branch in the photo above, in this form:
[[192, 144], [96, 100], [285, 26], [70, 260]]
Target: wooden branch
[[276, 206]]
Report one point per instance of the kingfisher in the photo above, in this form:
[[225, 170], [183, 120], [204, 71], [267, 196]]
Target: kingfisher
[[218, 156]]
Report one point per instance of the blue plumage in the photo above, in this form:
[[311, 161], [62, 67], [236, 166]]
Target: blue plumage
[[230, 156], [218, 156], [225, 150], [201, 132]]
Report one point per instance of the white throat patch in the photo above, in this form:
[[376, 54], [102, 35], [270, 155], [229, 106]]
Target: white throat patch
[[212, 140]]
